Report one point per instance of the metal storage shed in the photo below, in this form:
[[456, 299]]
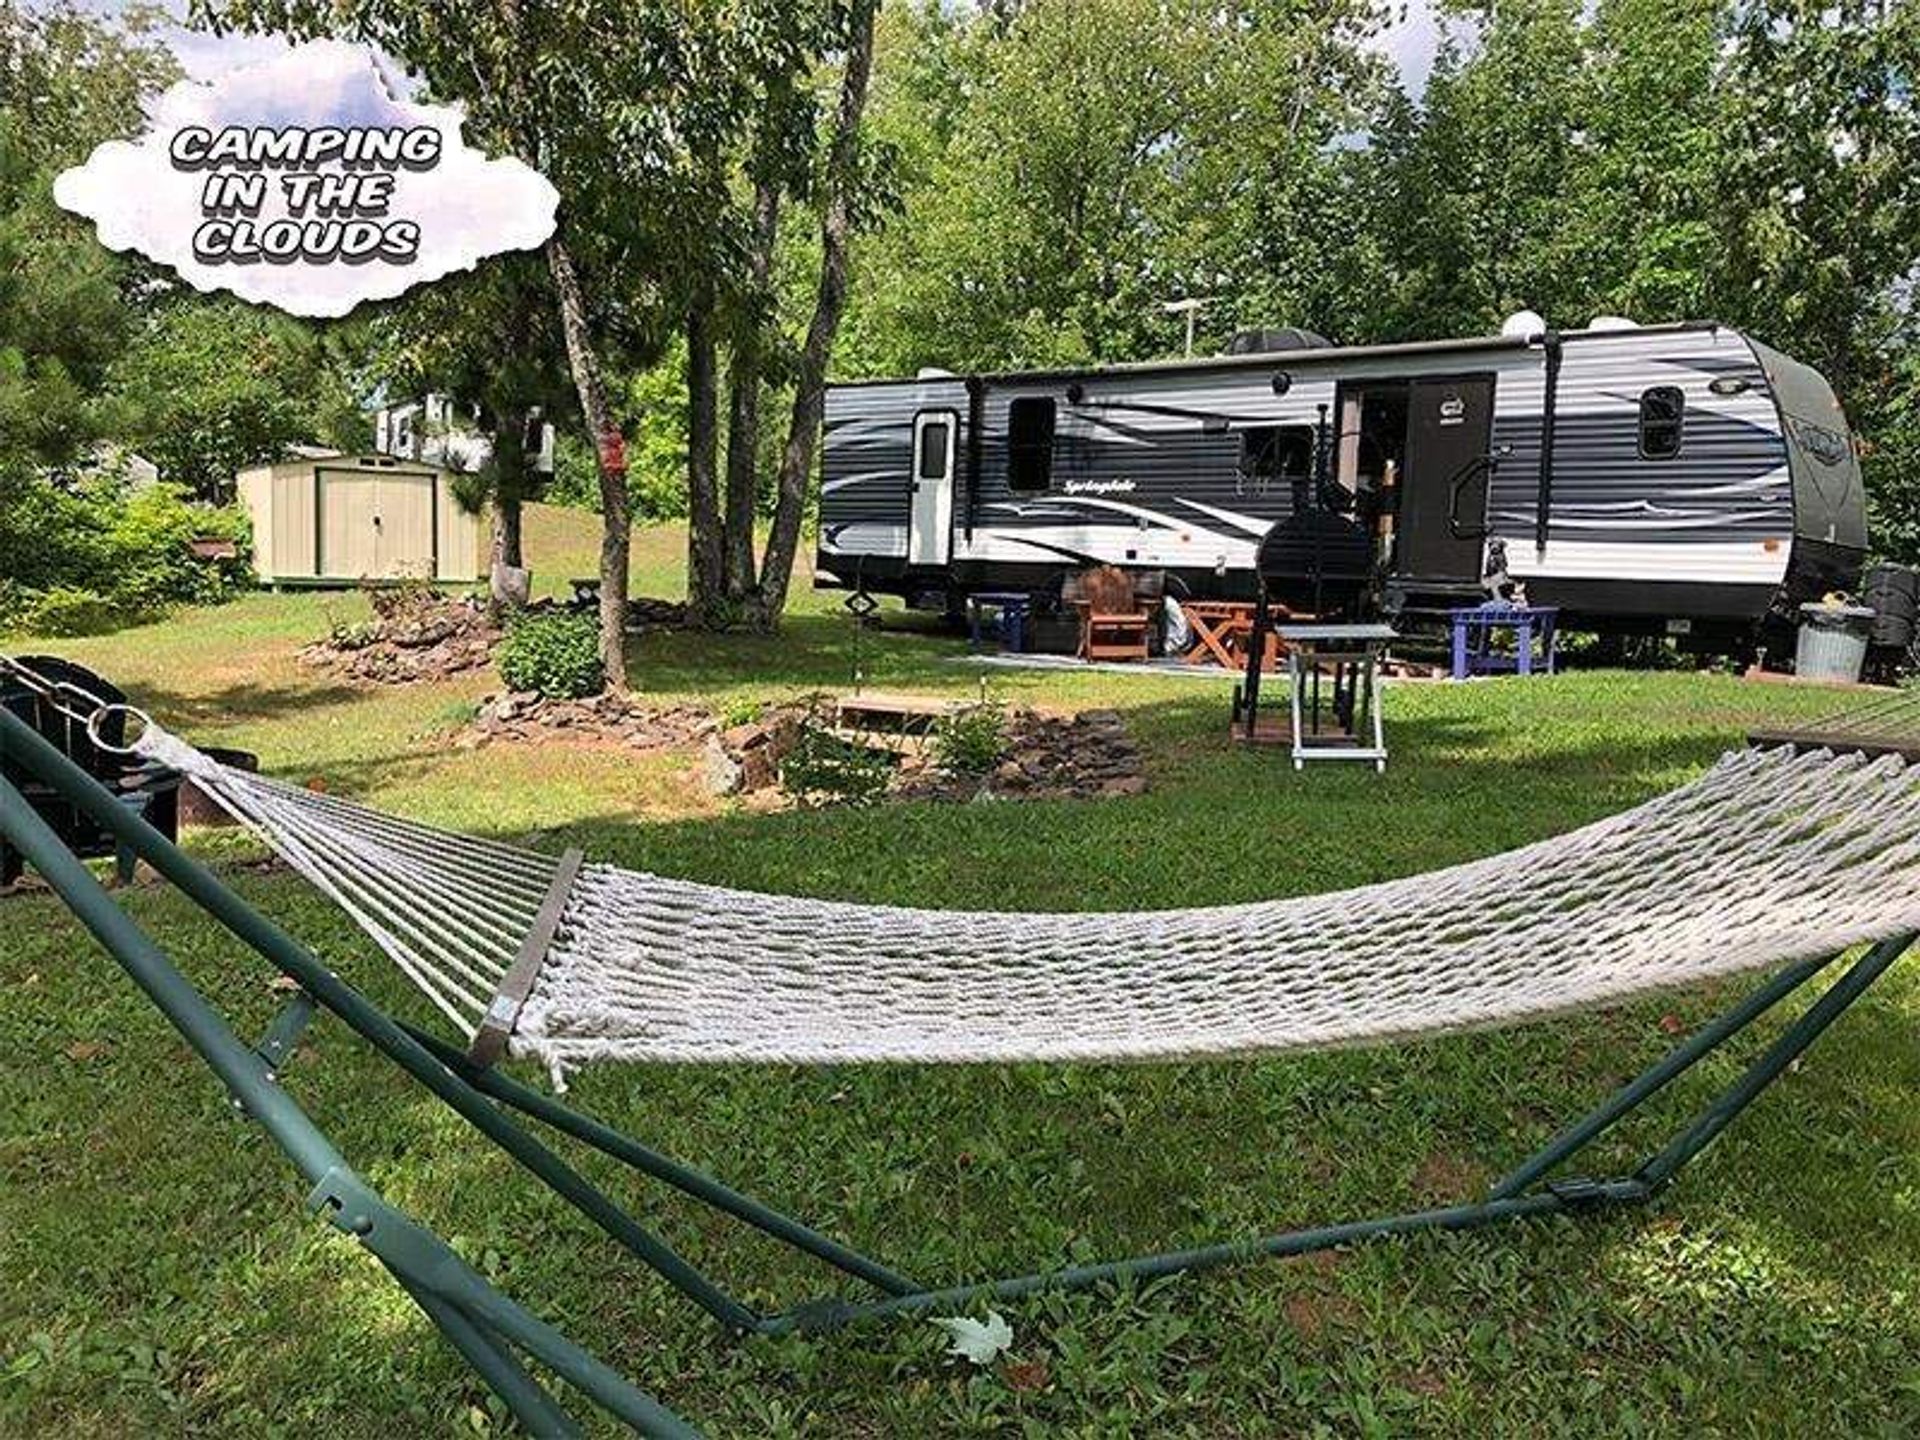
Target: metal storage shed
[[341, 519]]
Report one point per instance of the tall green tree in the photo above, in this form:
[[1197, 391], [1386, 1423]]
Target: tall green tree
[[1818, 208], [490, 341], [1071, 165], [803, 152], [622, 105], [71, 80], [209, 386]]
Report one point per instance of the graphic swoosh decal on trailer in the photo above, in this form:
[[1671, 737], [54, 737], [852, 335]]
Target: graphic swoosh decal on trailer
[[828, 487], [1249, 523]]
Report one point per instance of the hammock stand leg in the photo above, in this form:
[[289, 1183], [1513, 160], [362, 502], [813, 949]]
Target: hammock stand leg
[[470, 1090], [369, 1021], [1512, 1198], [479, 1321]]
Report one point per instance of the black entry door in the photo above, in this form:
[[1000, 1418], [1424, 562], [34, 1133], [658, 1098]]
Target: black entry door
[[1443, 491]]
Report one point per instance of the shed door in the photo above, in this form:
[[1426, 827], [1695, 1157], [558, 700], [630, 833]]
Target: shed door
[[935, 437], [376, 525], [345, 502], [403, 526], [1443, 494]]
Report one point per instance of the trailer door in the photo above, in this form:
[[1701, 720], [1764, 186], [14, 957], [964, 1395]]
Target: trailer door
[[936, 435], [1443, 495]]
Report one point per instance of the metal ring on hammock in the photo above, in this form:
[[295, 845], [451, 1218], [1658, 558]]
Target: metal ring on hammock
[[131, 711]]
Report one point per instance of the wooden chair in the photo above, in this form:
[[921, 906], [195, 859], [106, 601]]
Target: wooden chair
[[1114, 623]]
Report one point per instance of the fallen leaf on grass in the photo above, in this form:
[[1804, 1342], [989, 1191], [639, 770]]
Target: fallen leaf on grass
[[982, 1342]]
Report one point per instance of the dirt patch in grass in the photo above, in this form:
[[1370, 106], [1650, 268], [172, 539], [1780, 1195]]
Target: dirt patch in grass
[[1444, 1178], [1311, 1313], [1040, 754], [600, 720]]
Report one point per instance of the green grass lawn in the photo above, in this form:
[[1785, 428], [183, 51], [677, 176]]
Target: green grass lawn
[[157, 1273]]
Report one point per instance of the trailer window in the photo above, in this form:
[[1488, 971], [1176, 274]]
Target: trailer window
[[933, 450], [1276, 452], [1030, 443], [1663, 419]]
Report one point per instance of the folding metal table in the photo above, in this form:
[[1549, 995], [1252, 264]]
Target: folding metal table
[[1337, 719]]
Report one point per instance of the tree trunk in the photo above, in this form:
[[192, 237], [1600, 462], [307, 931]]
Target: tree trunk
[[810, 384], [610, 454], [507, 547], [509, 487], [706, 576], [743, 407]]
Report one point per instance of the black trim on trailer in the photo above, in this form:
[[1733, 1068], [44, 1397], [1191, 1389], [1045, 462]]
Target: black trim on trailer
[[1552, 345], [1610, 601], [976, 424]]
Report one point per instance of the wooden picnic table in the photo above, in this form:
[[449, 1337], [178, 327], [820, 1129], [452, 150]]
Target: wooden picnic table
[[1222, 630]]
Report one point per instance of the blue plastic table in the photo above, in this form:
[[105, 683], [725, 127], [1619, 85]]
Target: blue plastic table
[[1475, 626]]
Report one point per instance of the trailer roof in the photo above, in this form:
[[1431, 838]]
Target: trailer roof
[[1315, 353]]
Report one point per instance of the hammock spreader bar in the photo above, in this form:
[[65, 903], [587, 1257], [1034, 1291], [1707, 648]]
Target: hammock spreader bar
[[489, 1329], [496, 1025]]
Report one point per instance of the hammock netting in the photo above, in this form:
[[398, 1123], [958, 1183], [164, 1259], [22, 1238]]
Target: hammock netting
[[1772, 856]]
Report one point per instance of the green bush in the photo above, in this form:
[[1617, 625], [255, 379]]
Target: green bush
[[553, 652], [67, 610], [823, 768], [149, 537], [970, 741], [127, 547]]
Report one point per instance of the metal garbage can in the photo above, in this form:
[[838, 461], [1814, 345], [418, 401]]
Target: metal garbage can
[[1833, 641]]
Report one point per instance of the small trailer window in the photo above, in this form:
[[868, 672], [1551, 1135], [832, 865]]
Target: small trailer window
[[1276, 452], [933, 450], [1030, 443], [1663, 419]]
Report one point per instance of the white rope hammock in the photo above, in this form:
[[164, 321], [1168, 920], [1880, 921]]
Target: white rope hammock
[[1772, 856]]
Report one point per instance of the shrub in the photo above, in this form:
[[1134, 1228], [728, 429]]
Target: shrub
[[352, 634], [410, 599], [555, 653], [824, 768], [126, 546], [68, 610], [970, 741], [151, 565]]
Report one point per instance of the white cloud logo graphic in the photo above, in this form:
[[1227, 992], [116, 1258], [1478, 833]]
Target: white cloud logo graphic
[[302, 183]]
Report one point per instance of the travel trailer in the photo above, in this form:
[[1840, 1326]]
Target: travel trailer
[[1682, 478], [441, 431]]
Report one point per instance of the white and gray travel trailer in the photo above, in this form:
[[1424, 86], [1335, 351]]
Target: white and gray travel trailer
[[1679, 476]]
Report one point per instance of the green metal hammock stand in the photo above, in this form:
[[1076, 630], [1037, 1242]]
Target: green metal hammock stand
[[492, 1332]]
